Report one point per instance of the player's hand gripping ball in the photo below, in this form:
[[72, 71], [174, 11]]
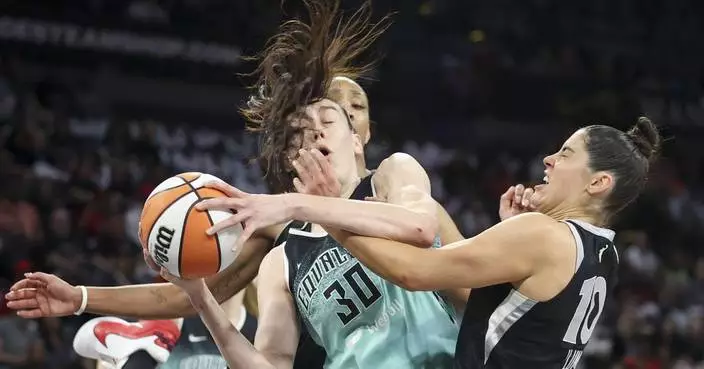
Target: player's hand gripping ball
[[172, 231]]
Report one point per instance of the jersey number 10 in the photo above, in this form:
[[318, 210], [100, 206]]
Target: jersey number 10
[[366, 299], [593, 296]]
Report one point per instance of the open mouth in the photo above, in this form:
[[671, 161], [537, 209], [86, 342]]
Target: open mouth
[[324, 150], [537, 185]]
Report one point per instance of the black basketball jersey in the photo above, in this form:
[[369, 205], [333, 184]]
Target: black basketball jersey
[[196, 348], [309, 355], [502, 329]]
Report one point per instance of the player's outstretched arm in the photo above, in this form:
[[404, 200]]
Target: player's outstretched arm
[[277, 334], [44, 295], [277, 330], [516, 200], [408, 213], [509, 251], [404, 210]]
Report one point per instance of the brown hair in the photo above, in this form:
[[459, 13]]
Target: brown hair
[[295, 69], [627, 155]]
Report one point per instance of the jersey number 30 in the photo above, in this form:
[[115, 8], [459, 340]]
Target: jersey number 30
[[593, 296], [351, 276]]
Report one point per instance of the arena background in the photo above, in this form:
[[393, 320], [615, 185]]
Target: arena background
[[100, 100]]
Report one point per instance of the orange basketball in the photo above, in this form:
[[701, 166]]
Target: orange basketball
[[173, 231]]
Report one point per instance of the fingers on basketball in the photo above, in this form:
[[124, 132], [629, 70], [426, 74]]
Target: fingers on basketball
[[219, 185], [229, 190], [231, 221], [246, 234], [220, 203], [174, 228], [166, 275], [150, 262]]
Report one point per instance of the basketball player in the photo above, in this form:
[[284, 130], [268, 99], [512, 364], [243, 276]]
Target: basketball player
[[195, 347], [158, 301], [539, 280], [310, 285]]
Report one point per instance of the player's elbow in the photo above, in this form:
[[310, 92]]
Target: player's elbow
[[424, 231], [422, 222], [410, 283], [411, 280], [425, 237]]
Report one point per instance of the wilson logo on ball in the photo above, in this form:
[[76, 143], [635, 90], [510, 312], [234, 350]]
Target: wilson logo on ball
[[163, 244], [172, 230]]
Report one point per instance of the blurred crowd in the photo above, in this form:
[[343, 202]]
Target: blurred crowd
[[77, 179]]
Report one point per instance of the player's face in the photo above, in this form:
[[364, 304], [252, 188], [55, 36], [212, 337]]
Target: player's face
[[327, 129], [567, 176], [354, 100]]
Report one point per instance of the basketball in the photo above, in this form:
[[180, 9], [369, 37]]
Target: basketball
[[173, 231]]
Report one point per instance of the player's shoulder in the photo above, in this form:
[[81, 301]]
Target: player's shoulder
[[551, 236], [537, 237], [272, 271], [275, 255], [544, 229], [273, 262], [533, 219], [396, 161], [398, 165]]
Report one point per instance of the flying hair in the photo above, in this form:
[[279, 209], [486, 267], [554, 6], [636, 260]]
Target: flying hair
[[347, 79], [296, 69]]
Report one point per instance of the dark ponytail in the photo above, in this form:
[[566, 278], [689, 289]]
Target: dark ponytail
[[626, 155], [645, 137]]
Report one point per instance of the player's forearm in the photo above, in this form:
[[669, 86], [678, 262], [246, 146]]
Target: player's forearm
[[368, 218], [148, 301], [393, 261], [233, 346], [167, 301], [238, 275]]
